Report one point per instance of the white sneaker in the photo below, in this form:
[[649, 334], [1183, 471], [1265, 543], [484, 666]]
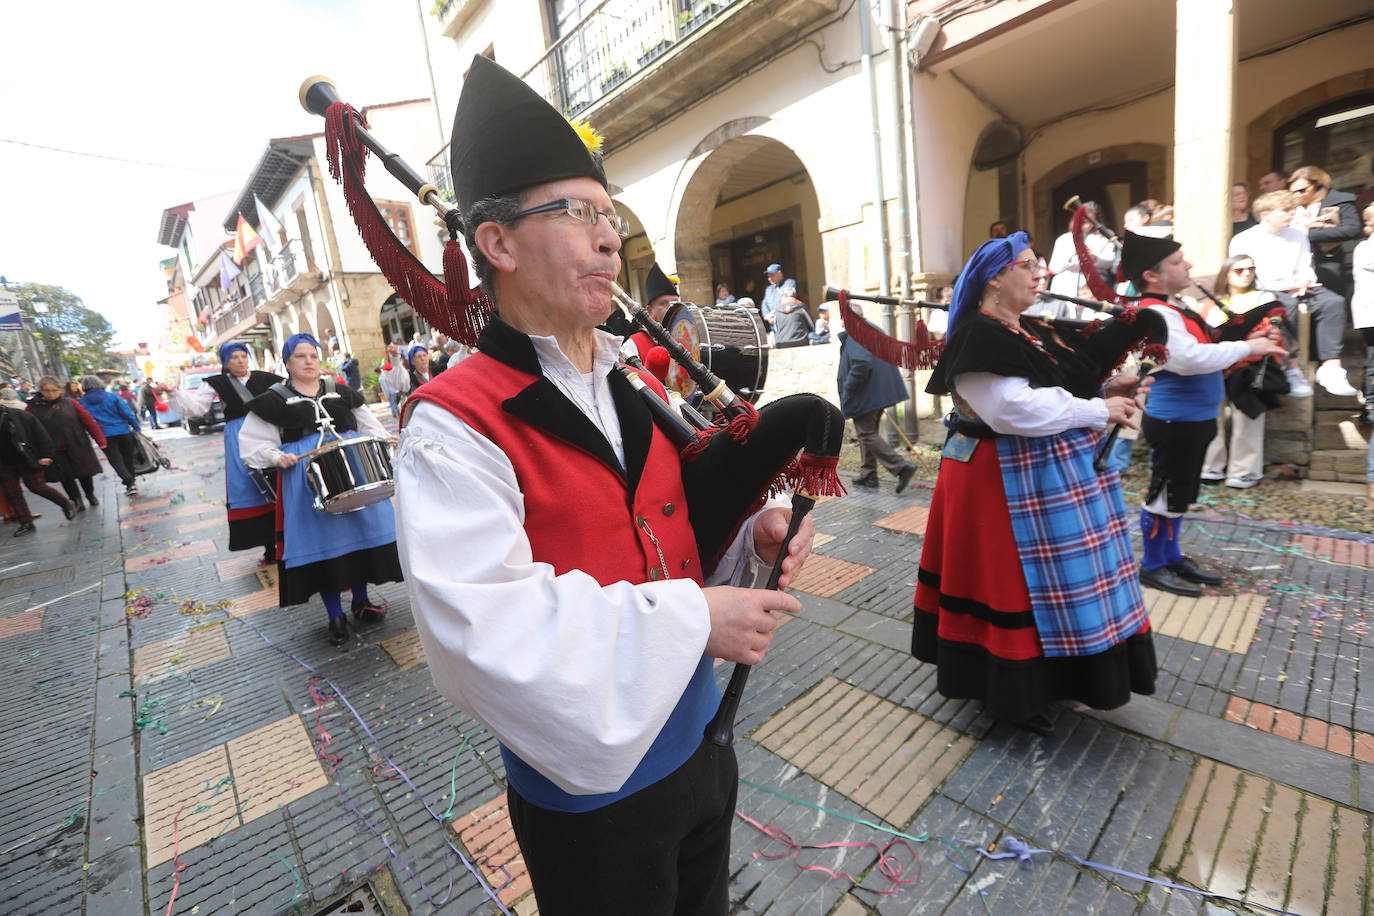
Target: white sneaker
[[1297, 385], [1241, 483], [1333, 379]]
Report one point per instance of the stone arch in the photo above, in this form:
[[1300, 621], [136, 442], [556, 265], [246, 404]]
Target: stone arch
[[1260, 131], [704, 175], [1154, 155]]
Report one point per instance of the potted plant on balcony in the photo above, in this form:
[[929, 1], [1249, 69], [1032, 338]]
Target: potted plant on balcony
[[690, 20], [648, 53], [615, 76]]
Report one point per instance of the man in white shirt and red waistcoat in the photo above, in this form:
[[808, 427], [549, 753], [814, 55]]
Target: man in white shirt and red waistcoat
[[1181, 415], [559, 597]]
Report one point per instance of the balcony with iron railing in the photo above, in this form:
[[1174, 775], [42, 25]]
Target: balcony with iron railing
[[628, 64], [291, 271]]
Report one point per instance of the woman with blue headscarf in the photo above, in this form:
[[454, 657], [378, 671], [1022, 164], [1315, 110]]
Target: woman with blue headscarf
[[1027, 591], [418, 363], [320, 553], [251, 511]]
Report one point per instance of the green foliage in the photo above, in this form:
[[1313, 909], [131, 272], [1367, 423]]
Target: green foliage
[[78, 334]]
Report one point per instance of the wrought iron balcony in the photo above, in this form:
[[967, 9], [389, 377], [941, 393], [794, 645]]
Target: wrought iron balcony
[[629, 63]]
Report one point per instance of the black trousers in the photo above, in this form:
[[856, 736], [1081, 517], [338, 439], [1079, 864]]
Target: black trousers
[[663, 850], [1330, 314], [120, 450], [1177, 451], [68, 477], [1368, 335]]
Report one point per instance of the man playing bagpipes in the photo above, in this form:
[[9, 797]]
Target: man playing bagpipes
[[1181, 414], [559, 594]]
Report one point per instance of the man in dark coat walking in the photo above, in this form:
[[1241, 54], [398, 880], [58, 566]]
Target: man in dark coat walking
[[868, 386]]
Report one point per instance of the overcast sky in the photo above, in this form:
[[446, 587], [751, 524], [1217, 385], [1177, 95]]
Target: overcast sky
[[195, 90]]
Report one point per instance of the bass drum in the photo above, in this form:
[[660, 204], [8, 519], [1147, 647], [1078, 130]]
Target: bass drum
[[731, 342]]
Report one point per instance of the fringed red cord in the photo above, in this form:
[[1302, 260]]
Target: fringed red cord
[[451, 306], [1087, 264], [814, 475], [921, 353]]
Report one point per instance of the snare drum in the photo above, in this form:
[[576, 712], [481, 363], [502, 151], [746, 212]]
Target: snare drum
[[731, 342], [350, 474]]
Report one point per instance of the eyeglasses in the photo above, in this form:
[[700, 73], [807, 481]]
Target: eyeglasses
[[1242, 270], [579, 209], [1027, 262]]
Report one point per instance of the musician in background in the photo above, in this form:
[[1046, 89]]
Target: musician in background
[[1181, 416], [251, 511], [418, 364], [660, 291], [1026, 593], [558, 592], [321, 552], [1068, 277]]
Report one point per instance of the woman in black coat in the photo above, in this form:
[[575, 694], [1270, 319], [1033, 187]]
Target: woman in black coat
[[25, 450], [71, 428]]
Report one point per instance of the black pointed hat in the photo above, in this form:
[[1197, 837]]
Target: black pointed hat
[[657, 284], [507, 138], [1140, 253]]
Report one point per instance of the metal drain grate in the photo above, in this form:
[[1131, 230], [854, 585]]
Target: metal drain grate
[[38, 579], [361, 900]]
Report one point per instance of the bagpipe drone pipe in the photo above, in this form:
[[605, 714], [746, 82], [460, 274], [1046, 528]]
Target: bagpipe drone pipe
[[729, 468]]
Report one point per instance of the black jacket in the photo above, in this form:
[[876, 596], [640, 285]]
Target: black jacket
[[23, 440], [1328, 257]]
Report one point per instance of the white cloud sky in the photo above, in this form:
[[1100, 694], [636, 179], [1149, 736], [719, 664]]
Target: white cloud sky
[[195, 85]]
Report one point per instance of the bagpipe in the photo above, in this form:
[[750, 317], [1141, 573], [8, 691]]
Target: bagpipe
[[729, 467], [1254, 384]]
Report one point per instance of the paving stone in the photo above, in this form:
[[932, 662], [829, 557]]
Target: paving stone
[[114, 714], [114, 812], [114, 883]]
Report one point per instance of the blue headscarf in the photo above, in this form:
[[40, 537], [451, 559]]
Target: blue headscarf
[[227, 350], [410, 357], [986, 263], [296, 340]]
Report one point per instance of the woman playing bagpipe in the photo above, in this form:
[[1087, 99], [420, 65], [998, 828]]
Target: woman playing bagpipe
[[1026, 592], [320, 552], [251, 508]]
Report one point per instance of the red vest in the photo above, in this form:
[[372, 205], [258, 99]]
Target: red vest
[[579, 511]]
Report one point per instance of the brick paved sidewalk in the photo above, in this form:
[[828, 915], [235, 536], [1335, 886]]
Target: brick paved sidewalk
[[172, 733]]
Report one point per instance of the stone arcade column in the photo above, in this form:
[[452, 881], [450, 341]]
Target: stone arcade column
[[1204, 106]]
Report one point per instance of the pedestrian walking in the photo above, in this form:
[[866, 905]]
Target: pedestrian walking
[[71, 428], [867, 387], [118, 423], [25, 450]]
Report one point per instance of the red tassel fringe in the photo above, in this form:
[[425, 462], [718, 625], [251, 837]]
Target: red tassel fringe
[[814, 475], [739, 428], [1086, 263], [451, 307], [922, 353]]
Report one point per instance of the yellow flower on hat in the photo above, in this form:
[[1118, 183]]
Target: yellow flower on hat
[[587, 134]]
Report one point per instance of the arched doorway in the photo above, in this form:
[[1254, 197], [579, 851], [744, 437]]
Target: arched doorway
[[637, 254], [750, 203], [398, 320], [993, 187], [1115, 177]]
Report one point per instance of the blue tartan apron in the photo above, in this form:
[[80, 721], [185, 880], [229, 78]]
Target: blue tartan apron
[[1072, 536], [312, 535]]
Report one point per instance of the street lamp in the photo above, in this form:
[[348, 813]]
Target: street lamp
[[51, 363]]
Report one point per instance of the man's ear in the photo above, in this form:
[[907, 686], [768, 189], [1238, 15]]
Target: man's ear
[[493, 240], [1151, 278]]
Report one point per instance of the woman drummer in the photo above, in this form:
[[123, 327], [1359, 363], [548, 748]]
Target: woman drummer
[[321, 552], [1027, 590], [252, 514]]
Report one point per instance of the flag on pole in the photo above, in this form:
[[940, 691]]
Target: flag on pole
[[271, 229], [245, 240], [227, 270]]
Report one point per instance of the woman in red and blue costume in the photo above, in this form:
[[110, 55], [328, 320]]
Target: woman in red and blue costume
[[321, 552], [251, 510], [1026, 592]]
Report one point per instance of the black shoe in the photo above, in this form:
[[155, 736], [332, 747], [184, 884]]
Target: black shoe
[[368, 612], [866, 483], [80, 505], [904, 476], [93, 501], [69, 510], [1367, 414], [1189, 570], [1166, 580], [1039, 724], [131, 490], [338, 630], [24, 528]]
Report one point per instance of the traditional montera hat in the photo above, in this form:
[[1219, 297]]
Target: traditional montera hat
[[657, 283], [507, 138], [1140, 253]]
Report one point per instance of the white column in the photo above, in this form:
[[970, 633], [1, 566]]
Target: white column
[[1204, 108]]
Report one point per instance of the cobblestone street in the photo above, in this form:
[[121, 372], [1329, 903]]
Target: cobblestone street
[[175, 742]]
